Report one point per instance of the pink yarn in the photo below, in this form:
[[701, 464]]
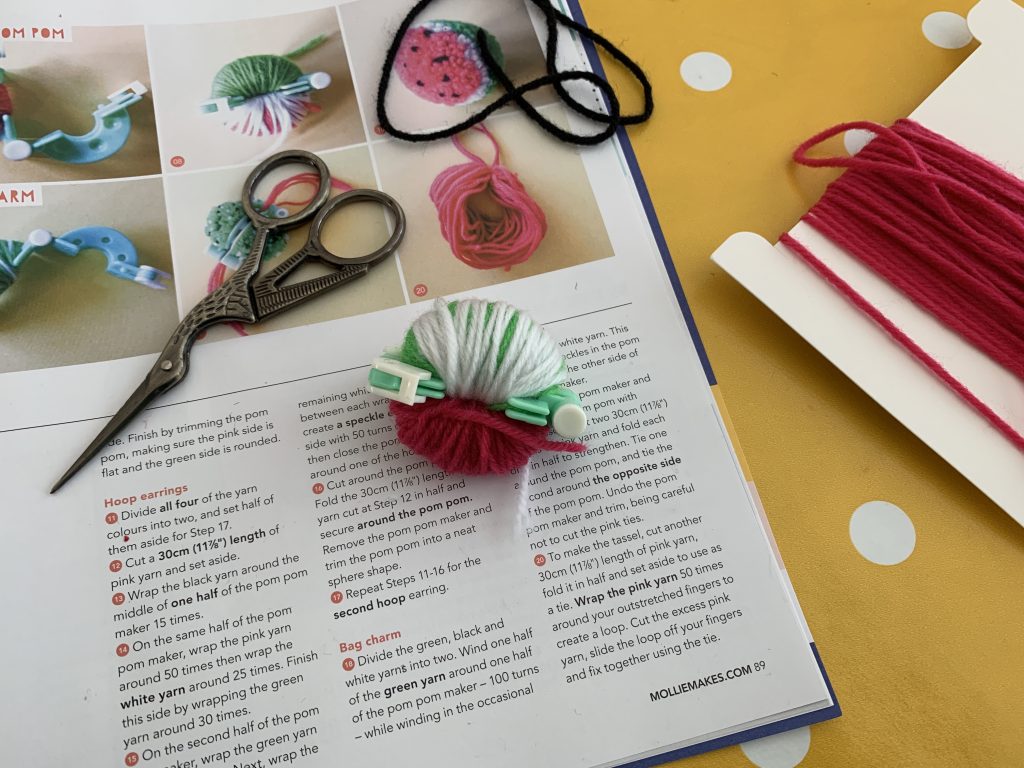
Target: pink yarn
[[487, 216], [466, 437], [309, 178], [271, 114], [941, 224], [219, 273]]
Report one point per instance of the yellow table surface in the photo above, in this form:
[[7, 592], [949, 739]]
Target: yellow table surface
[[927, 656]]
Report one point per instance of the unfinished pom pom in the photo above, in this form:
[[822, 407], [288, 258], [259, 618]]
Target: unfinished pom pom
[[476, 386]]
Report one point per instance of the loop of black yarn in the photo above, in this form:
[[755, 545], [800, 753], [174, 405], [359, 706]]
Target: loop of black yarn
[[517, 94]]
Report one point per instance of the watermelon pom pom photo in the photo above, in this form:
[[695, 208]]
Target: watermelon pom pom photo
[[440, 61]]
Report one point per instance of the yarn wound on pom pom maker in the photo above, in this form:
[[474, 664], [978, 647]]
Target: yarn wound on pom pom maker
[[486, 215], [231, 231], [111, 127], [475, 387], [265, 94], [471, 58], [119, 251]]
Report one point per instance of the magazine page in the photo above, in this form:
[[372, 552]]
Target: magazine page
[[256, 571]]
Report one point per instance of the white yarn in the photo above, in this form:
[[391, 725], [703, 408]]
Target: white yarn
[[464, 350], [285, 111], [523, 502]]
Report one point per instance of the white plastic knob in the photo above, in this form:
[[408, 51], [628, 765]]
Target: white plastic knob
[[319, 80], [40, 237], [570, 421], [17, 149]]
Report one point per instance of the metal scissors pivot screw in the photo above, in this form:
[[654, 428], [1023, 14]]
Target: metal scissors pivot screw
[[248, 298]]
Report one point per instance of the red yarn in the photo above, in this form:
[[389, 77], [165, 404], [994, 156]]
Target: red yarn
[[6, 105], [486, 214], [893, 330], [466, 437], [941, 224]]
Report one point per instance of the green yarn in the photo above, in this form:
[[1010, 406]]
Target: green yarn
[[410, 354], [252, 76], [305, 48], [510, 329], [471, 31], [8, 250], [221, 221]]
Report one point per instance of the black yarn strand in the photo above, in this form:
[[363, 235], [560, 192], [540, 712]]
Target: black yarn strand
[[552, 17], [514, 94]]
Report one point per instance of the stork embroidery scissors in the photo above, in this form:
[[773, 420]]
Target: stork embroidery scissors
[[248, 298]]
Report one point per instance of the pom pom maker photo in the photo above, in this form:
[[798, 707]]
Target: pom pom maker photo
[[111, 128], [122, 258]]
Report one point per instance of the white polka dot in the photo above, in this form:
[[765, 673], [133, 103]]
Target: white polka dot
[[705, 71], [946, 29], [856, 139], [882, 532], [782, 750]]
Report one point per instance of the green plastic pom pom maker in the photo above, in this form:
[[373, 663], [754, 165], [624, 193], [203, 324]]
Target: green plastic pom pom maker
[[557, 407]]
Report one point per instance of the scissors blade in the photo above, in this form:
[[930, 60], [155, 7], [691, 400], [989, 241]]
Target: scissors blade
[[157, 381], [231, 302]]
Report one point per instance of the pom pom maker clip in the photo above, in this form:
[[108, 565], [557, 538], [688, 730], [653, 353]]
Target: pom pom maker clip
[[405, 383], [111, 126], [558, 407], [122, 258], [315, 81]]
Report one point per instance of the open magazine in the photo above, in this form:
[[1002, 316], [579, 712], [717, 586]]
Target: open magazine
[[256, 572]]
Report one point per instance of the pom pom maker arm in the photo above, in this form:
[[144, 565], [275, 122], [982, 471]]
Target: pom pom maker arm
[[315, 81], [111, 126], [122, 258], [558, 407]]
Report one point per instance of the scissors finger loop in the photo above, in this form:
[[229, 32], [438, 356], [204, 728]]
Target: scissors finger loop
[[288, 157], [355, 196]]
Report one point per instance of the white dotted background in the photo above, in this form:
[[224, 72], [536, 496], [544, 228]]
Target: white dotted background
[[880, 532], [706, 71]]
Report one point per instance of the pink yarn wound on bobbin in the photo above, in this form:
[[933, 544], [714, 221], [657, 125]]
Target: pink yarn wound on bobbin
[[466, 437], [487, 216], [942, 225]]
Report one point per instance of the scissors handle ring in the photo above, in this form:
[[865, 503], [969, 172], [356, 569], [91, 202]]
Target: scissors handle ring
[[288, 157], [347, 198]]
